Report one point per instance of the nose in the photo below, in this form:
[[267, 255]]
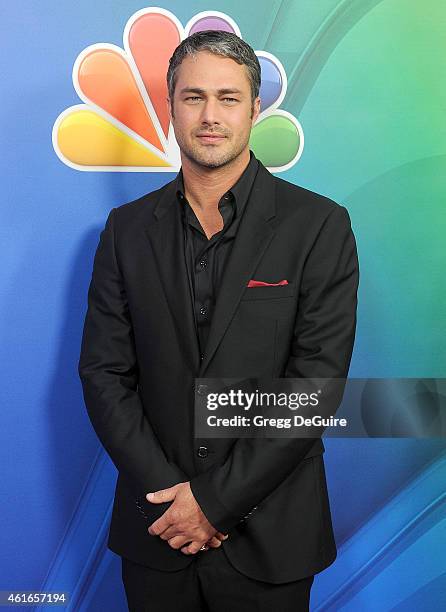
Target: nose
[[209, 113]]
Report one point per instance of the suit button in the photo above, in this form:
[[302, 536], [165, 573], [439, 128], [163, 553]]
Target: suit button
[[201, 389], [202, 451]]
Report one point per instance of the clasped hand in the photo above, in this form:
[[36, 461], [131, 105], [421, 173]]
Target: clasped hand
[[183, 524]]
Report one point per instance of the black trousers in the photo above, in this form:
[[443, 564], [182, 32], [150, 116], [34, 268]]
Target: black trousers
[[209, 584]]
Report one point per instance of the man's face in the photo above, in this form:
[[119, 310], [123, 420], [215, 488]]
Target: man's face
[[212, 113]]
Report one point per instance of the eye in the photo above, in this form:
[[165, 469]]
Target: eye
[[193, 98], [231, 99]]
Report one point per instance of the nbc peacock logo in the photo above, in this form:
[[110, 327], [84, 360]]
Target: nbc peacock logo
[[123, 123]]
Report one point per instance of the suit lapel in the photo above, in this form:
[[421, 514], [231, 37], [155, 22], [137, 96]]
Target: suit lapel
[[165, 234], [253, 237]]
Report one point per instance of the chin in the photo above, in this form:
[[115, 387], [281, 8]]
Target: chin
[[214, 161]]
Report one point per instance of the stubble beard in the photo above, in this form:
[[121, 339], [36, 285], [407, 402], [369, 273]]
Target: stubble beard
[[209, 156]]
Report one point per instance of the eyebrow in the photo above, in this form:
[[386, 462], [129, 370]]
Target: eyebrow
[[220, 92]]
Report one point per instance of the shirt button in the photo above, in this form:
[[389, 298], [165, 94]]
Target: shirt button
[[203, 310], [202, 451], [203, 263], [201, 357]]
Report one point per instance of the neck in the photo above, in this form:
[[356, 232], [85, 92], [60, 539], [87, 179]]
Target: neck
[[205, 186]]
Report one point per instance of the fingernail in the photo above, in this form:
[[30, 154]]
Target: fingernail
[[149, 496]]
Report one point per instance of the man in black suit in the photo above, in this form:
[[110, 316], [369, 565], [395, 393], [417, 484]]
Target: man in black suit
[[229, 524]]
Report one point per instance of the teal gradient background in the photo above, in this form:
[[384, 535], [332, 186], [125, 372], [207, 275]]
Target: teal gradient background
[[366, 79]]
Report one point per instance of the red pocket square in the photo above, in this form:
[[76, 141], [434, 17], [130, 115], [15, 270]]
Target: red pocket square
[[255, 283]]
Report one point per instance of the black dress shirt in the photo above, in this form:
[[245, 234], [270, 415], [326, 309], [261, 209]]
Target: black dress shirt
[[206, 259]]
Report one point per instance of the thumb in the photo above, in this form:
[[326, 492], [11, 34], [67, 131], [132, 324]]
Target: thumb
[[163, 495]]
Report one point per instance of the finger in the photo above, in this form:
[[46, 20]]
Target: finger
[[221, 536], [214, 542], [178, 541], [161, 496], [192, 548], [171, 532], [160, 525]]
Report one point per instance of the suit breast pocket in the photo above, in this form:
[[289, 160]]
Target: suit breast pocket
[[269, 292], [269, 302]]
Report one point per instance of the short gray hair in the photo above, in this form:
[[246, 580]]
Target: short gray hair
[[221, 43]]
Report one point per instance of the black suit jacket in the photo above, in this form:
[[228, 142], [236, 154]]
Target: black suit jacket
[[140, 357]]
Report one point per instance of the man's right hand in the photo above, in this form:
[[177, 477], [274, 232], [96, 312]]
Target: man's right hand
[[182, 520]]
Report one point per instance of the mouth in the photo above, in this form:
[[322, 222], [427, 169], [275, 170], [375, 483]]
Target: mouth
[[211, 138]]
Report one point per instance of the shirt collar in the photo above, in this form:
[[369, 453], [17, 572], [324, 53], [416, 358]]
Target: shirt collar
[[238, 193]]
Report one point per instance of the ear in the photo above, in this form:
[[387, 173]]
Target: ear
[[169, 108], [256, 110]]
